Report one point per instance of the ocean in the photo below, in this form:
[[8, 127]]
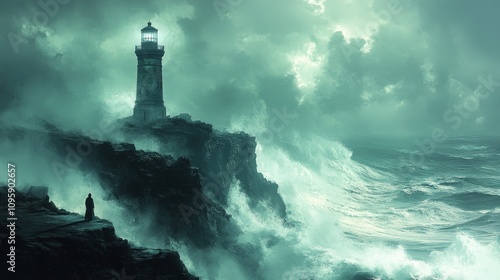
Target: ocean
[[359, 209], [453, 190]]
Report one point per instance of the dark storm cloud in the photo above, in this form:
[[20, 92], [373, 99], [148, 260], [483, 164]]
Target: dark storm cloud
[[343, 67]]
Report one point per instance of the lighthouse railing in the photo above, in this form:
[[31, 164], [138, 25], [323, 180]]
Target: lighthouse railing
[[140, 47]]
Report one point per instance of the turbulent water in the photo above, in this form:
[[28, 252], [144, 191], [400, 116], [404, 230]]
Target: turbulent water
[[357, 209], [363, 208]]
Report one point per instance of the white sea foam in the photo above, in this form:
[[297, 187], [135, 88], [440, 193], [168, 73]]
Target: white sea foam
[[470, 147], [361, 208]]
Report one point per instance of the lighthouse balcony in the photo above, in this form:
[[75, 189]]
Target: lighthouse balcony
[[149, 47]]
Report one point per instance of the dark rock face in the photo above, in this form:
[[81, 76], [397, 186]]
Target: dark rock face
[[55, 244], [189, 201], [148, 182], [39, 192], [183, 189], [221, 157]]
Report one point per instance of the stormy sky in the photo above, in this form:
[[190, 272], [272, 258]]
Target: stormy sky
[[274, 68]]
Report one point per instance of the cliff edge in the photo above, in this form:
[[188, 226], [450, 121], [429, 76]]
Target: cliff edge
[[51, 243]]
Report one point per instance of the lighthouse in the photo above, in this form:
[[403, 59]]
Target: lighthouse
[[149, 104]]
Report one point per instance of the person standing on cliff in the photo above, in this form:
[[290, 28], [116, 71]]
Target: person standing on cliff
[[89, 204]]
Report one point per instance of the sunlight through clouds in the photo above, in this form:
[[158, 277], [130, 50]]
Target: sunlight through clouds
[[319, 6], [306, 67]]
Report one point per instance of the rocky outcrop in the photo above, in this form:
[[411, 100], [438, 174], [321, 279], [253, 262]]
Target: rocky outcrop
[[54, 244], [222, 157], [149, 184], [186, 183], [39, 192], [182, 188]]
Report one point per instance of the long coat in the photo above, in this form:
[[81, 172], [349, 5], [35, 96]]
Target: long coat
[[89, 213]]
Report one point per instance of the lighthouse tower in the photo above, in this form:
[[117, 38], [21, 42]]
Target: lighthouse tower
[[149, 99]]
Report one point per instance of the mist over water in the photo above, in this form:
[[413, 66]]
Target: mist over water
[[351, 219]]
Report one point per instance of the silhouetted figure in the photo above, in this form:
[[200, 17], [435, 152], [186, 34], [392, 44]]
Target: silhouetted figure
[[89, 203]]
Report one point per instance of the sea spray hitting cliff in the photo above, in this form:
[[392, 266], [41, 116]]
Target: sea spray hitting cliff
[[431, 224], [154, 199], [338, 213]]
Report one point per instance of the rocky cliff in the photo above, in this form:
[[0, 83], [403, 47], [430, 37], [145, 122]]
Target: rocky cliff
[[182, 188], [51, 243], [151, 185], [222, 157]]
